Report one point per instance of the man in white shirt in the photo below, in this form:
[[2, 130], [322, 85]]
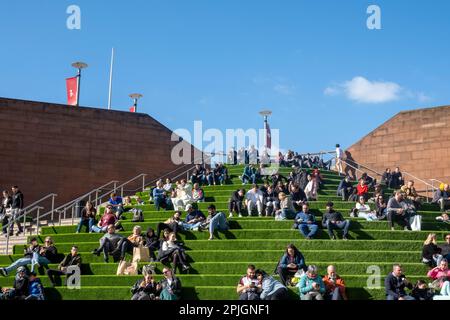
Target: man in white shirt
[[254, 198], [339, 158]]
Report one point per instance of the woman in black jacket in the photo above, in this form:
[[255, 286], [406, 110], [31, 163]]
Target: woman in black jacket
[[145, 289], [431, 253], [87, 217], [152, 242]]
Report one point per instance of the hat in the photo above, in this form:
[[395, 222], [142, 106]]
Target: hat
[[330, 204], [189, 206]]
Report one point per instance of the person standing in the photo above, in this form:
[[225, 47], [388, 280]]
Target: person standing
[[16, 208], [339, 158]]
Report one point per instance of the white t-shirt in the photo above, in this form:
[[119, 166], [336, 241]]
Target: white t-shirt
[[339, 153], [254, 196]]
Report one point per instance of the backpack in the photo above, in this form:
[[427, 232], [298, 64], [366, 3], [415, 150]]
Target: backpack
[[138, 215]]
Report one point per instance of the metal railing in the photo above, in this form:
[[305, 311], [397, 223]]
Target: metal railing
[[35, 206]]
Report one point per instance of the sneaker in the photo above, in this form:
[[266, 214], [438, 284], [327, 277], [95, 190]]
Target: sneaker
[[240, 215], [3, 272], [392, 228], [230, 215], [344, 238], [210, 238], [96, 252], [260, 214], [185, 268], [195, 229], [333, 238], [308, 238]]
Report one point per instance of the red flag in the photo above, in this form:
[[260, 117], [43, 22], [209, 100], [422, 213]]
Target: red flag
[[133, 109], [268, 136], [72, 91]]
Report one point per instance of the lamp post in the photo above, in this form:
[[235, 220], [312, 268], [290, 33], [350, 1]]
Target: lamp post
[[135, 97], [265, 113], [79, 65]]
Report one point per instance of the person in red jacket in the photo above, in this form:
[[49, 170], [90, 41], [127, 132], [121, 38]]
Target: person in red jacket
[[362, 189], [334, 284], [108, 218]]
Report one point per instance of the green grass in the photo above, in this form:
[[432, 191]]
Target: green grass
[[217, 265]]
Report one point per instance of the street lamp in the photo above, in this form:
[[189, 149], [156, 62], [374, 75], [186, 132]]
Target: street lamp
[[79, 65], [135, 97]]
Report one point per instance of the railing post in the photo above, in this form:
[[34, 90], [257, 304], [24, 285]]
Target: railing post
[[73, 213], [37, 220], [24, 220], [96, 198], [121, 191], [143, 182], [115, 186], [7, 242], [53, 203]]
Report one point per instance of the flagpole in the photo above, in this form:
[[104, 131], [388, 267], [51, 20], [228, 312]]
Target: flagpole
[[79, 66], [110, 79]]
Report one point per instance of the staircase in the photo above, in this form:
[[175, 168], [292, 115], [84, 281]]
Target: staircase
[[218, 265]]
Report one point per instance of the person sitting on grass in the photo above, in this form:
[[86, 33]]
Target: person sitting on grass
[[395, 284], [87, 217], [172, 251], [286, 210], [215, 220], [170, 286], [29, 253], [397, 212], [35, 288], [183, 195], [362, 189], [151, 241], [117, 205], [290, 263], [334, 284], [220, 174], [345, 188], [72, 259], [145, 288], [107, 219], [133, 241], [271, 201], [445, 248], [442, 197], [254, 200], [197, 174], [271, 289], [362, 210], [381, 207], [305, 221], [47, 254], [440, 274], [194, 218], [298, 196], [19, 291], [334, 220], [421, 291], [311, 188], [311, 285], [431, 253], [249, 174], [411, 194], [172, 224], [168, 186], [111, 244], [198, 195], [235, 204], [247, 288], [159, 196]]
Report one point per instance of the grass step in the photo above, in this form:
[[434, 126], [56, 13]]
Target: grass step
[[271, 244]]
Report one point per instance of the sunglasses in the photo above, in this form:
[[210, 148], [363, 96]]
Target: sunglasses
[[166, 271]]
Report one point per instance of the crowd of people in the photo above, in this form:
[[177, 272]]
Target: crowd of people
[[275, 195]]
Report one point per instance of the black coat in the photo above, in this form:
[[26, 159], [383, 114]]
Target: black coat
[[70, 260], [429, 250], [21, 286], [17, 200], [148, 289], [175, 285], [396, 286]]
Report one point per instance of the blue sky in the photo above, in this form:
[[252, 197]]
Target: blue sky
[[325, 75]]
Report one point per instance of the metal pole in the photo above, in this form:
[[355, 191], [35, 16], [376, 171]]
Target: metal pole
[[73, 213], [96, 197], [24, 220], [110, 79], [121, 192], [37, 221], [7, 242], [78, 86], [53, 205], [143, 183]]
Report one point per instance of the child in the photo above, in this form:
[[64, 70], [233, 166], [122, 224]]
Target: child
[[421, 291]]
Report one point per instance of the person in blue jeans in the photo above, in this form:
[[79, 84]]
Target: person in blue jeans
[[87, 217], [306, 222], [28, 256], [249, 175], [159, 196], [117, 204], [334, 220], [35, 288], [217, 220]]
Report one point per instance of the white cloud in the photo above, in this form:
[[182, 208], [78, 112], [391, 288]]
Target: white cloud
[[362, 90]]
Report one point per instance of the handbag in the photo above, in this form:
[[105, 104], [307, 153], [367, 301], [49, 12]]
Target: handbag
[[122, 266], [141, 254], [416, 222]]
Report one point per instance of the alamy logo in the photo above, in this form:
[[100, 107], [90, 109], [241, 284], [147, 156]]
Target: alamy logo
[[374, 20], [74, 20]]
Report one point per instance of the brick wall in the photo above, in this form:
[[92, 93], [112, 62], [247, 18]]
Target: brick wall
[[417, 141], [47, 148]]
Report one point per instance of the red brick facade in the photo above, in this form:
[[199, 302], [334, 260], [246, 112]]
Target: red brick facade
[[417, 141], [47, 148]]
